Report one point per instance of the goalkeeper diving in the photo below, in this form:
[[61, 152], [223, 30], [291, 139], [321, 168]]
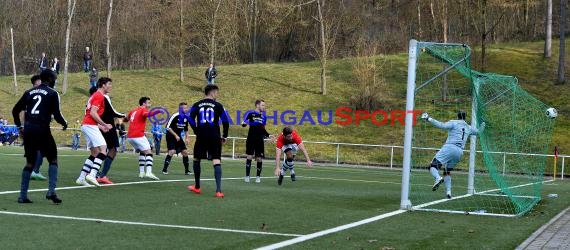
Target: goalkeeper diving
[[451, 152]]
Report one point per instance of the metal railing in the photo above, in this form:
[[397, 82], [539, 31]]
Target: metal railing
[[338, 152]]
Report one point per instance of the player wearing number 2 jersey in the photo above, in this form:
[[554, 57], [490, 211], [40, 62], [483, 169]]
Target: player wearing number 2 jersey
[[39, 103], [205, 116]]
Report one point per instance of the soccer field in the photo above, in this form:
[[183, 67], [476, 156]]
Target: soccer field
[[146, 214]]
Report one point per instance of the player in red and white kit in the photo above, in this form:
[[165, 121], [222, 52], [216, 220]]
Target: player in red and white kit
[[289, 142], [91, 127], [135, 136]]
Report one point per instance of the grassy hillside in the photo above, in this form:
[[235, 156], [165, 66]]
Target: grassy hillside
[[295, 86]]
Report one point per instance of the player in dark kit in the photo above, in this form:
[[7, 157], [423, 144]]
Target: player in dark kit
[[255, 139], [39, 103], [205, 118], [174, 141]]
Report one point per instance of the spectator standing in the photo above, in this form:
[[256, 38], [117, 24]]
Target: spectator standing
[[122, 135], [76, 135], [93, 77], [157, 132], [55, 68], [211, 74], [43, 62], [87, 60]]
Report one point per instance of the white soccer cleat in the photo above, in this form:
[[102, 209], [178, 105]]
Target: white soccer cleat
[[151, 176], [141, 175], [257, 179], [92, 180], [246, 179], [81, 182], [437, 183]]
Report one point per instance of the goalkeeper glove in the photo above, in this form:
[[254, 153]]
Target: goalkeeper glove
[[425, 116]]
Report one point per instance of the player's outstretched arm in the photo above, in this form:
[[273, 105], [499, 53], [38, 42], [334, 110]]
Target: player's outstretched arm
[[302, 148], [475, 131], [277, 161], [438, 124]]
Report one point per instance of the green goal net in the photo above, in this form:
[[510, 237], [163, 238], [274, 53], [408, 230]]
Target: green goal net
[[501, 171]]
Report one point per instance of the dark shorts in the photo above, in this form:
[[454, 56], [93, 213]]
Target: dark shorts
[[111, 138], [173, 144], [255, 146], [39, 141], [208, 146]]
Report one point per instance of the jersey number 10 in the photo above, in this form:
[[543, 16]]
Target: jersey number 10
[[206, 115]]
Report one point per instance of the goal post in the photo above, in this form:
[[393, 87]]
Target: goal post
[[501, 171]]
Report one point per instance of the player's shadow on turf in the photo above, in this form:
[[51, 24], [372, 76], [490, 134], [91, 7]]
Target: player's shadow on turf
[[82, 91]]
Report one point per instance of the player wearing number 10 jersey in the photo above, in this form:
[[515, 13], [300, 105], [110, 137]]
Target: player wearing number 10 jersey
[[205, 116]]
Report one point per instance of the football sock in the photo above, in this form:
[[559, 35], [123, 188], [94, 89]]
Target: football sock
[[197, 170], [106, 166], [433, 171], [149, 162], [186, 163], [166, 163], [38, 163], [97, 164], [86, 167], [25, 184], [247, 167], [259, 167], [52, 171], [142, 162], [218, 175], [447, 182]]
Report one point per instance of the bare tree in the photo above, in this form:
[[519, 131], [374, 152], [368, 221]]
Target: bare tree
[[14, 62], [561, 59], [213, 34], [548, 30], [181, 43], [323, 54], [108, 54], [444, 20], [70, 13]]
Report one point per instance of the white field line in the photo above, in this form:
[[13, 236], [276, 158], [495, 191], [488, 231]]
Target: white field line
[[353, 180], [120, 184], [365, 221], [146, 224], [330, 231]]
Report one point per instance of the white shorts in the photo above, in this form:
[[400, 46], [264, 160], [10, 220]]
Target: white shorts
[[93, 136], [293, 147], [139, 143]]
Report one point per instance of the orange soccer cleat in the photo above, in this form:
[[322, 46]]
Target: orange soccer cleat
[[104, 180], [193, 189], [219, 195]]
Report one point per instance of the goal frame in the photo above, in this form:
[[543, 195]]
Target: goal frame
[[413, 55]]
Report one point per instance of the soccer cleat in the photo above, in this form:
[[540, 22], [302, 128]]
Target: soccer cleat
[[246, 179], [257, 179], [280, 180], [25, 200], [151, 176], [219, 195], [188, 173], [448, 195], [293, 177], [437, 183], [141, 175], [82, 183], [104, 180], [38, 176], [91, 180], [54, 198], [195, 190], [165, 172]]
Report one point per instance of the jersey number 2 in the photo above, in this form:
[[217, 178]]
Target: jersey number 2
[[35, 110], [206, 115]]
